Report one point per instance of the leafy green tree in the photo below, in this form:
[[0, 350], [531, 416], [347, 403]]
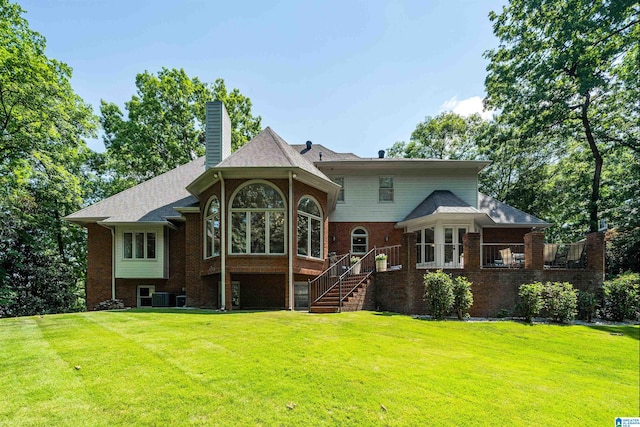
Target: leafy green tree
[[446, 136], [563, 70], [164, 127], [42, 168]]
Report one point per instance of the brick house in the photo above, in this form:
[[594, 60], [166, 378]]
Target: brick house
[[274, 226]]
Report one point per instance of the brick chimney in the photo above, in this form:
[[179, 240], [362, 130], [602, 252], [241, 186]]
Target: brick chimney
[[217, 134]]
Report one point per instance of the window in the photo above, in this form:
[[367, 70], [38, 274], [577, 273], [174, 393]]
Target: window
[[212, 229], [359, 241], [309, 228], [139, 245], [340, 181], [425, 245], [257, 220], [385, 189]]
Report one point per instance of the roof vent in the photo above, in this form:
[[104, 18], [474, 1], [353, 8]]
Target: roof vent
[[309, 143], [381, 154], [320, 155]]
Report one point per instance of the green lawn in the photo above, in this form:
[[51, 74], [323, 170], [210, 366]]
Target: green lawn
[[282, 368]]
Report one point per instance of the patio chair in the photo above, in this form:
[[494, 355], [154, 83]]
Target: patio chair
[[550, 253], [574, 254], [507, 257]]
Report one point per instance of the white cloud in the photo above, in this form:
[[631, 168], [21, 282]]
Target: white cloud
[[467, 107]]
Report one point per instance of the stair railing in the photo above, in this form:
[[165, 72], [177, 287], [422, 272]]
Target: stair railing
[[367, 267], [320, 285]]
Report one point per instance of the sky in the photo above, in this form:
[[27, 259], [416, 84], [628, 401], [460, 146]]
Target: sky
[[355, 76]]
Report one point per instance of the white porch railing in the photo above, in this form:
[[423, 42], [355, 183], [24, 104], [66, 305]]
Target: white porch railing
[[440, 255]]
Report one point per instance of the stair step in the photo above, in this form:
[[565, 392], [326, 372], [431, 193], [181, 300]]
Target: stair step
[[328, 309]]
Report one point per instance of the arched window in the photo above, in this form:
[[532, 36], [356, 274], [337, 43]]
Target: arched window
[[257, 220], [212, 229], [309, 228], [359, 241]]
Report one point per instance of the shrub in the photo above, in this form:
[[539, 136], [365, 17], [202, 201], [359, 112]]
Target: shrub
[[622, 297], [381, 257], [587, 306], [355, 259], [462, 296], [560, 301], [531, 299], [438, 293]]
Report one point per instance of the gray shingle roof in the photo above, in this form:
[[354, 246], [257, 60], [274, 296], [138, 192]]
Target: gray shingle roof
[[441, 201], [328, 155], [150, 201], [502, 213], [268, 149]]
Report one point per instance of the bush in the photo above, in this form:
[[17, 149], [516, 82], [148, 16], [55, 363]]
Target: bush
[[531, 300], [462, 296], [622, 297], [438, 293], [560, 301], [381, 257], [587, 306]]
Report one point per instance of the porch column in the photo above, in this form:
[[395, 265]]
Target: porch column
[[534, 250], [471, 248], [408, 254], [595, 252]]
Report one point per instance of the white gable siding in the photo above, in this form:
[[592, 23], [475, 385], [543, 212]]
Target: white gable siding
[[361, 195], [141, 268]]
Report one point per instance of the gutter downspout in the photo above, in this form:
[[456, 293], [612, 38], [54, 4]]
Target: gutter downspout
[[223, 245], [113, 263], [290, 241]]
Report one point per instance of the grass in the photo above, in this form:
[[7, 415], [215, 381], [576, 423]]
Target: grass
[[282, 368]]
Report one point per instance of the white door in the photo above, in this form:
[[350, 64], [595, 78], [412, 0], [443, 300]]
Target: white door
[[453, 252]]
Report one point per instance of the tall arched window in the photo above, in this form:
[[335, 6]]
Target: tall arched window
[[309, 228], [212, 229], [359, 241], [257, 220]]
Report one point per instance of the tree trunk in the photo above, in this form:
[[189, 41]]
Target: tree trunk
[[597, 157]]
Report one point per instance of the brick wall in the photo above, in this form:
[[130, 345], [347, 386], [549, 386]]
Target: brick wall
[[98, 286], [493, 289], [504, 235], [378, 231]]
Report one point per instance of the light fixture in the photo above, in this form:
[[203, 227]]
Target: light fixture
[[386, 238], [333, 238], [295, 175]]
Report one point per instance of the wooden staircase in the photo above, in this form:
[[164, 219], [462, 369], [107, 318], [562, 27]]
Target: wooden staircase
[[353, 292]]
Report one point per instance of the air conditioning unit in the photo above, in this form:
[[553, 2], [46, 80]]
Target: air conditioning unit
[[163, 299]]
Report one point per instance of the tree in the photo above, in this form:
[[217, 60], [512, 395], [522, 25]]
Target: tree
[[42, 168], [446, 136], [164, 127], [562, 71]]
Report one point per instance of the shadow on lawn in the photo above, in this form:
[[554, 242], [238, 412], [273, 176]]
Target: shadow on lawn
[[626, 331], [188, 311]]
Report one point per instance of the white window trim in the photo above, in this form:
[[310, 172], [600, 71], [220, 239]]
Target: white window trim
[[308, 217], [366, 235], [393, 185], [248, 212], [205, 229], [133, 258]]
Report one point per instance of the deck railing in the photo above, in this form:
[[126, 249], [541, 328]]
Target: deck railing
[[328, 278], [565, 255], [503, 255], [393, 256], [439, 255]]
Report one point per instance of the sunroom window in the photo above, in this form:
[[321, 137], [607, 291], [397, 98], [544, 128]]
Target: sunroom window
[[212, 229], [258, 220], [309, 228]]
